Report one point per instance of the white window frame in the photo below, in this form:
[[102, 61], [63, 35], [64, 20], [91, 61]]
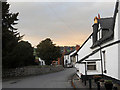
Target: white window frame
[[94, 63]]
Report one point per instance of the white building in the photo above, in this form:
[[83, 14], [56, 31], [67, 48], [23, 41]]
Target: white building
[[68, 60], [42, 62], [100, 53]]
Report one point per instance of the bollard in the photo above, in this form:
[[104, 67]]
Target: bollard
[[98, 85], [90, 84], [115, 88], [82, 78], [85, 82]]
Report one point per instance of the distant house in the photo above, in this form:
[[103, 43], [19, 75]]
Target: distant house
[[42, 62], [67, 59], [100, 53], [70, 58], [74, 56]]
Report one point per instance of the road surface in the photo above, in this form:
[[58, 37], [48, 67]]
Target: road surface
[[53, 80]]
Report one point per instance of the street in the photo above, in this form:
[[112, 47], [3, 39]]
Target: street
[[53, 80]]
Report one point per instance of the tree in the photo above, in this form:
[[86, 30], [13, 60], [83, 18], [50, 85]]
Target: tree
[[22, 55], [15, 53], [10, 35], [47, 51]]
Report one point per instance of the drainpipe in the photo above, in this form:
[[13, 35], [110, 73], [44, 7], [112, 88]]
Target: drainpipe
[[101, 56], [85, 73], [101, 60], [86, 68]]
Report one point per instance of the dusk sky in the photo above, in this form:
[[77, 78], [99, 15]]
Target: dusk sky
[[66, 23]]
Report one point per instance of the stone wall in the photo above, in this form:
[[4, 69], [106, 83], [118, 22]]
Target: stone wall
[[30, 70]]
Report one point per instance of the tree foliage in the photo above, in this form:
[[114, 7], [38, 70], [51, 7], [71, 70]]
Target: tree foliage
[[10, 35], [47, 51], [15, 53], [22, 54]]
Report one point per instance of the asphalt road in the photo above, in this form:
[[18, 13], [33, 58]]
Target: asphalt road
[[60, 79]]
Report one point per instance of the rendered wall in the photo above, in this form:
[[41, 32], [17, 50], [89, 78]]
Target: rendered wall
[[113, 54], [112, 61], [81, 68], [119, 43], [85, 50]]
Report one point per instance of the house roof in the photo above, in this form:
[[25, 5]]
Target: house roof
[[106, 22], [73, 54]]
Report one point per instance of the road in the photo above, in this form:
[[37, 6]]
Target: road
[[53, 80]]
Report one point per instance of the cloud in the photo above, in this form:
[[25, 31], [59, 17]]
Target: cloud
[[67, 23]]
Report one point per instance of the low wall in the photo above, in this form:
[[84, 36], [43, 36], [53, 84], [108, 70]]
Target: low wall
[[30, 70]]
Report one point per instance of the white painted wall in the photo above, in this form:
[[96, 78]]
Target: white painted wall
[[112, 61], [85, 50], [66, 57], [119, 43], [112, 54], [81, 68], [42, 62], [119, 61]]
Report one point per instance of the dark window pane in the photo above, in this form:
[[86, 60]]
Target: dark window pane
[[91, 67]]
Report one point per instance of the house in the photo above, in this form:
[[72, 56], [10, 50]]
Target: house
[[42, 62], [67, 59], [100, 53], [70, 58], [63, 51], [73, 56]]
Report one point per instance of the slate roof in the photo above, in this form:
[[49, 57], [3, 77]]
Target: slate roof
[[106, 23]]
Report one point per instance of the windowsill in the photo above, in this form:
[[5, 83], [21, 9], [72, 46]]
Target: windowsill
[[92, 70]]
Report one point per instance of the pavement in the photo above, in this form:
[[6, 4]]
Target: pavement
[[77, 83], [60, 79]]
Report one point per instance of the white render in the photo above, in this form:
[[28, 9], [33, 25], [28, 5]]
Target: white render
[[42, 62], [68, 58], [112, 56]]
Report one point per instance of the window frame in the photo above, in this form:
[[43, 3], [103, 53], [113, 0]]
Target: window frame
[[88, 64]]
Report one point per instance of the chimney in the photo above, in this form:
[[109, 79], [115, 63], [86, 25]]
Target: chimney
[[95, 29], [71, 49], [77, 47]]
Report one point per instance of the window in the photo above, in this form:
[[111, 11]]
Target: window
[[91, 65]]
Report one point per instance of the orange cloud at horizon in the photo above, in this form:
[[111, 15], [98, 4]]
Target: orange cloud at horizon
[[68, 40]]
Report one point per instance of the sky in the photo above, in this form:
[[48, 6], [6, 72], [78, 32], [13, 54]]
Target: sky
[[66, 23]]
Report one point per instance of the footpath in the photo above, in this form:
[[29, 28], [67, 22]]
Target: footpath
[[79, 85]]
